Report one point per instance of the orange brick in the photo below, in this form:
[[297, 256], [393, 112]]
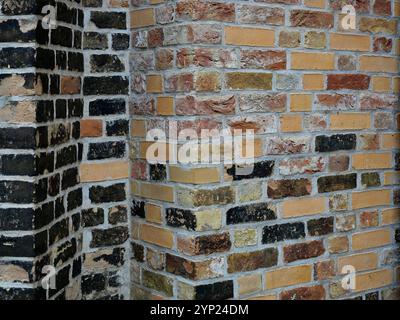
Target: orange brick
[[351, 121], [152, 213], [350, 42], [313, 82], [312, 61], [91, 128], [241, 36], [157, 192], [381, 84], [370, 198], [300, 102], [249, 283], [118, 3], [154, 83], [288, 276], [159, 236], [378, 64], [391, 141], [90, 172], [142, 18], [373, 280], [338, 244], [390, 216], [291, 123], [372, 161], [361, 262], [165, 106], [138, 128], [264, 297], [194, 175], [303, 207], [315, 3], [371, 239]]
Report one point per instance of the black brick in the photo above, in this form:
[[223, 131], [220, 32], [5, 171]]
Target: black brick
[[250, 213], [285, 231]]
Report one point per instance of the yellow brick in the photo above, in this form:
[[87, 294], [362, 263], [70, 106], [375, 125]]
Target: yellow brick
[[381, 84], [300, 102], [303, 207], [154, 83], [194, 175], [291, 123], [249, 283], [288, 276], [338, 244], [396, 84], [249, 37], [159, 236], [315, 3], [396, 11], [372, 161], [264, 297], [370, 198], [142, 18], [156, 1], [350, 121], [378, 64], [313, 82], [165, 106], [138, 128], [391, 141], [361, 262], [312, 61], [371, 239], [350, 42], [90, 172], [208, 219], [390, 216], [161, 150], [373, 280], [135, 188], [157, 192], [152, 213], [391, 178]]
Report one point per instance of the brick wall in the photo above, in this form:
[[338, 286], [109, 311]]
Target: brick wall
[[323, 103]]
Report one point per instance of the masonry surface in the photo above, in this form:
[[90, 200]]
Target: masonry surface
[[77, 192]]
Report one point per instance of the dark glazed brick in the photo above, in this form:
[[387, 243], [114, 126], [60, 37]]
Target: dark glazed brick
[[211, 243], [70, 178], [285, 231], [370, 179], [45, 59], [12, 32], [66, 156], [65, 252], [61, 36], [214, 291], [75, 108], [92, 3], [54, 185], [337, 182], [306, 250], [17, 138], [117, 127], [61, 60], [278, 189], [59, 231], [105, 85], [120, 41], [113, 193], [75, 61], [16, 219], [62, 280], [45, 111], [106, 107], [77, 267], [95, 41], [250, 213], [108, 20], [25, 246], [158, 172], [92, 217], [116, 258], [105, 150], [176, 217], [15, 58], [106, 63], [335, 142], [261, 169], [61, 109], [118, 214], [9, 294], [17, 191], [44, 215], [320, 227], [109, 237], [138, 252], [20, 164], [74, 199], [249, 261]]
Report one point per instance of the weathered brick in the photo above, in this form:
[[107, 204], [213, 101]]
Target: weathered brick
[[302, 251], [249, 261]]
